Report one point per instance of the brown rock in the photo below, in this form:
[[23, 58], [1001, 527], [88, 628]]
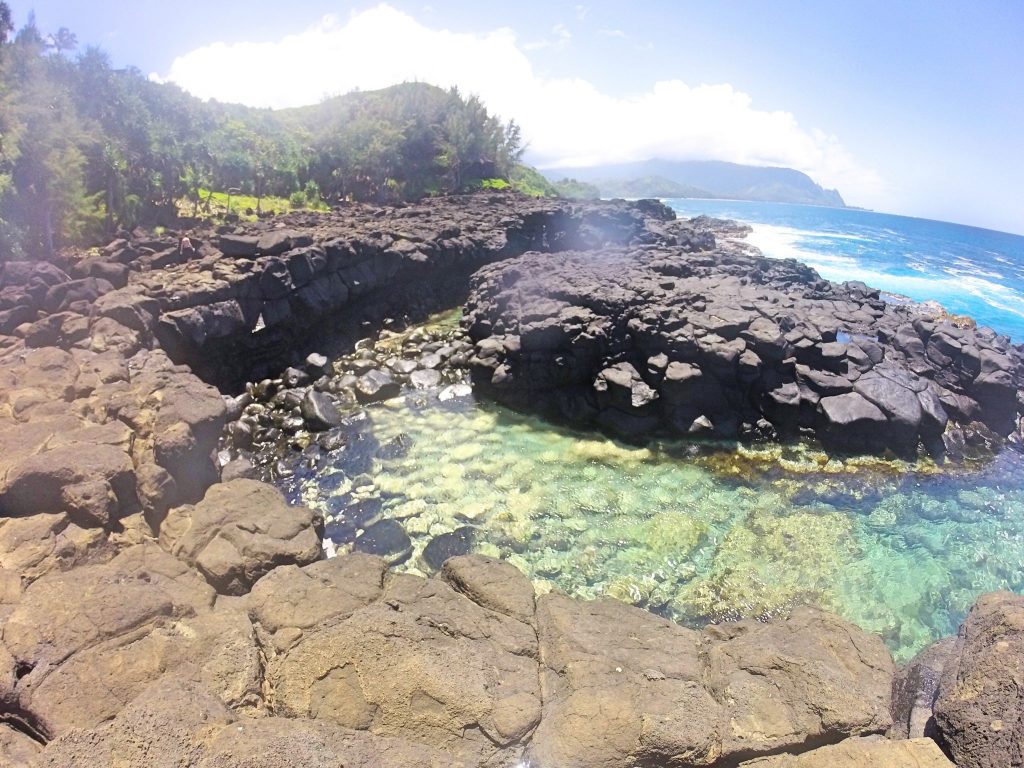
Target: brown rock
[[239, 532], [861, 753], [33, 546], [16, 748], [809, 679], [625, 688], [86, 642], [301, 598], [422, 663], [492, 584], [622, 688], [166, 726], [979, 712], [277, 742]]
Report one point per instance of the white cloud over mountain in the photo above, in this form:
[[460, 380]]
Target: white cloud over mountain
[[567, 122]]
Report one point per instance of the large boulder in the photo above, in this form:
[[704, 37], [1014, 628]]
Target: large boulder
[[979, 712], [626, 688], [622, 688], [810, 679], [239, 532], [658, 339], [85, 642], [422, 661], [67, 465]]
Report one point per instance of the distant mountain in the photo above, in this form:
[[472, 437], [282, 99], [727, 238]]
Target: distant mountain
[[702, 178]]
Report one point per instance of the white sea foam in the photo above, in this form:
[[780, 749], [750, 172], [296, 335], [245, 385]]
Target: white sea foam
[[964, 277]]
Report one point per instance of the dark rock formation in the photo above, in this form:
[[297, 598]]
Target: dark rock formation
[[915, 689], [726, 342]]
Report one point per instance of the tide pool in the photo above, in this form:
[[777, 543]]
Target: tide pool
[[699, 532]]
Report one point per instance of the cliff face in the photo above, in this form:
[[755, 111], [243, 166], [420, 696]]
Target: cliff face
[[704, 178]]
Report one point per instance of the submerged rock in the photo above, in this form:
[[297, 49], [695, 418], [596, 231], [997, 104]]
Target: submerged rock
[[454, 544], [386, 539]]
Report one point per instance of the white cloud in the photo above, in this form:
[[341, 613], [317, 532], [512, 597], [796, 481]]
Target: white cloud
[[559, 40], [566, 121], [611, 33]]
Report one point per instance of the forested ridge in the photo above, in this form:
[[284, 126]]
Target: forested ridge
[[87, 150]]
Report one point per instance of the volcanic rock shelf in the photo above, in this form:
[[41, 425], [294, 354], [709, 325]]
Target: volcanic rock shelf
[[724, 342], [156, 613]]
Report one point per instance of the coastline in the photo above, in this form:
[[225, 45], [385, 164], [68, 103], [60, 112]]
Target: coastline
[[150, 610]]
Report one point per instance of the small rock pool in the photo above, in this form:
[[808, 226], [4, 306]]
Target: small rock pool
[[694, 532]]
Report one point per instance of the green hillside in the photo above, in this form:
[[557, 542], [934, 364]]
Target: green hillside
[[87, 150]]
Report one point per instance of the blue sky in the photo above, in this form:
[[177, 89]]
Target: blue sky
[[909, 107]]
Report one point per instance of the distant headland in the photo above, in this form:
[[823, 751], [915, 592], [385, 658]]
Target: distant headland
[[699, 178]]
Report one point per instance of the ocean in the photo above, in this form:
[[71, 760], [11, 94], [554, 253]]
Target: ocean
[[968, 270], [703, 533]]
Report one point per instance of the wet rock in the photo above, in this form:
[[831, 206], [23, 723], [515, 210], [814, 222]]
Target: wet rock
[[386, 539], [427, 378], [454, 391], [319, 411], [454, 544], [395, 448], [317, 365], [293, 377], [915, 689], [376, 385], [350, 516]]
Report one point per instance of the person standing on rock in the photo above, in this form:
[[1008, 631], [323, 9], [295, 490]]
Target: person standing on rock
[[185, 248]]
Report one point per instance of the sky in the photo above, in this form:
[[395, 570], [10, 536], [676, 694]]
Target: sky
[[913, 107]]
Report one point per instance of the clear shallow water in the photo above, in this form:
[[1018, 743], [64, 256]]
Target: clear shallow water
[[696, 536], [702, 534], [969, 271]]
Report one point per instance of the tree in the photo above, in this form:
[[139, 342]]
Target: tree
[[6, 22], [46, 162], [63, 40]]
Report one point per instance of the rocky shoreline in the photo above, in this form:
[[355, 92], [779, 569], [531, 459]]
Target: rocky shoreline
[[715, 340], [160, 611]]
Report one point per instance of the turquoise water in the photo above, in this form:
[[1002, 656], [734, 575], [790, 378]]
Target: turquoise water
[[969, 271], [712, 533]]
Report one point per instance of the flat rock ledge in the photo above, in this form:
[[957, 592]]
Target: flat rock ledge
[[720, 341], [154, 613]]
